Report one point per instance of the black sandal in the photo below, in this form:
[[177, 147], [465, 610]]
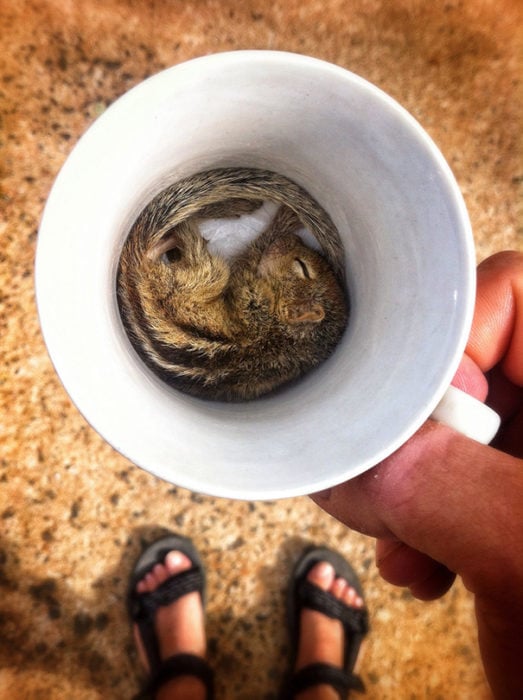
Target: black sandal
[[355, 622], [142, 608]]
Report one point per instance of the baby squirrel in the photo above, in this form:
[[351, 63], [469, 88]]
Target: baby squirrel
[[231, 330]]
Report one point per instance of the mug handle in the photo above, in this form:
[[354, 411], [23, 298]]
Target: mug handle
[[467, 415]]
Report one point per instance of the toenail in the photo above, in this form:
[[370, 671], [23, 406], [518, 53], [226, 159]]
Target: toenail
[[323, 569], [351, 595], [173, 559], [339, 587]]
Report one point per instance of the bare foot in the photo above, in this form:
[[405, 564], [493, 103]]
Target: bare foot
[[322, 638], [180, 628]]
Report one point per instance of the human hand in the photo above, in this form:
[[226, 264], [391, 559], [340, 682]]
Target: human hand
[[443, 504]]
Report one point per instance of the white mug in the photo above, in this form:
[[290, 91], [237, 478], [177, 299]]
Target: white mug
[[409, 262]]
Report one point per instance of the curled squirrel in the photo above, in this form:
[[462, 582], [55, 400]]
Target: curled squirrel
[[231, 330]]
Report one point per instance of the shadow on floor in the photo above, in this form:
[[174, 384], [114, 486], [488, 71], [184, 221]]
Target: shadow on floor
[[45, 625]]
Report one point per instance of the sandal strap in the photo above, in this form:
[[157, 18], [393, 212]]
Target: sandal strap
[[322, 673], [355, 620], [183, 665], [146, 604]]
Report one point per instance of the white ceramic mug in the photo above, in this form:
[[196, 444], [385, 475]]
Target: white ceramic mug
[[409, 259]]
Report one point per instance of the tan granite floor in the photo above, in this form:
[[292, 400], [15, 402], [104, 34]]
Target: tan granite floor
[[73, 512]]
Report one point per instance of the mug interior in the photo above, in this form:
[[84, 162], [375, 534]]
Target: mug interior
[[409, 265]]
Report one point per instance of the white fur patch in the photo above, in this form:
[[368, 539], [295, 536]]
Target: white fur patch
[[229, 236]]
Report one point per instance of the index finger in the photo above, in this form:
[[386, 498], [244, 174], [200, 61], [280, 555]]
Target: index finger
[[497, 328]]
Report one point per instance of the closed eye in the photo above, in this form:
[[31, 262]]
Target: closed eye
[[302, 267], [170, 256]]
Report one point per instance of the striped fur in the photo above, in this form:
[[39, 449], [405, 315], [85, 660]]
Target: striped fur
[[231, 330]]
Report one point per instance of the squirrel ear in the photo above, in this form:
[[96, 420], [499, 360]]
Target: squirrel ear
[[306, 313]]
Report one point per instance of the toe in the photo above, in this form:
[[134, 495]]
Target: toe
[[339, 588], [160, 574], [352, 598], [322, 575], [175, 562], [150, 582], [349, 596]]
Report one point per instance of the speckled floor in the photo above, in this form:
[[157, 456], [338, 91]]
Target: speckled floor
[[73, 512]]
